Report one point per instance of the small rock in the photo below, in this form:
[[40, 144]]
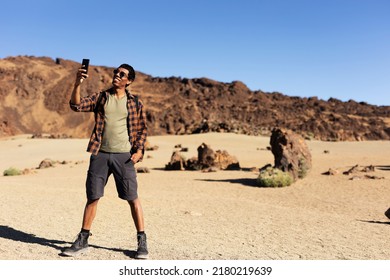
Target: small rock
[[331, 171], [195, 214], [369, 168], [143, 170], [354, 169], [355, 178], [46, 163], [149, 147]]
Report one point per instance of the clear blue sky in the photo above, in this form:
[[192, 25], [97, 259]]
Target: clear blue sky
[[323, 48]]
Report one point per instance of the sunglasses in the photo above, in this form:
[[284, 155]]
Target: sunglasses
[[121, 73]]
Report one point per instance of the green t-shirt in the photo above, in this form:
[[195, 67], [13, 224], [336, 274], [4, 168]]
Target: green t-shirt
[[115, 138]]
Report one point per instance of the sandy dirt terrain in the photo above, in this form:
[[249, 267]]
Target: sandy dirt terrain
[[192, 215]]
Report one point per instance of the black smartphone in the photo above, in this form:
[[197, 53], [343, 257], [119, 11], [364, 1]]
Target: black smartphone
[[85, 64]]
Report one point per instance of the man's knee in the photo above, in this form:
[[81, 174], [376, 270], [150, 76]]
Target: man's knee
[[133, 202], [91, 202]]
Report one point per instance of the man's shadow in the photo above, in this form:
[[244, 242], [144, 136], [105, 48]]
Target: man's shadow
[[20, 236], [17, 235]]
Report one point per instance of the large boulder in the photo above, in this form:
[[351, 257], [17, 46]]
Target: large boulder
[[177, 162], [207, 160], [225, 161], [206, 156], [291, 153], [46, 163]]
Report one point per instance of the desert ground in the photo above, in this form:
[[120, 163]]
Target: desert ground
[[192, 215]]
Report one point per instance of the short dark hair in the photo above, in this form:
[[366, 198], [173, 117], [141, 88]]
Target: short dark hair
[[131, 75]]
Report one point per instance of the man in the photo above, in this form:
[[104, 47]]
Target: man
[[117, 143]]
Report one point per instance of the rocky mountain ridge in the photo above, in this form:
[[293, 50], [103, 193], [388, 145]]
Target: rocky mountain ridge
[[35, 95]]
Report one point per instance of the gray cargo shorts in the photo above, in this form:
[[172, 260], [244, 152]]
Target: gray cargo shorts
[[102, 165]]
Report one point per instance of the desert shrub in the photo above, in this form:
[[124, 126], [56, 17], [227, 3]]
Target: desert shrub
[[303, 168], [12, 171], [274, 178], [310, 135]]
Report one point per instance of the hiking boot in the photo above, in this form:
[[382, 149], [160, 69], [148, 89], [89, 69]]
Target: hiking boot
[[80, 246], [142, 251]]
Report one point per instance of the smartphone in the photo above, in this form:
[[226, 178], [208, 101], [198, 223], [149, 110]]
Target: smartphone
[[85, 64]]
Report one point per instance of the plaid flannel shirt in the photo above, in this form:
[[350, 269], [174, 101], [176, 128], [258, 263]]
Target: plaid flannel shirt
[[136, 122]]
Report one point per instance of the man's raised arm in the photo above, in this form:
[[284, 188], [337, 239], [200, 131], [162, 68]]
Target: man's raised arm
[[75, 98]]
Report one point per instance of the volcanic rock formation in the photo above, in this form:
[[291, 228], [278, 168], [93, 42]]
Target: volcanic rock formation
[[35, 94]]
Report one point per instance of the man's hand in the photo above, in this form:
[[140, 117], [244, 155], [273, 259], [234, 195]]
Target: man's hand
[[81, 76], [136, 156]]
